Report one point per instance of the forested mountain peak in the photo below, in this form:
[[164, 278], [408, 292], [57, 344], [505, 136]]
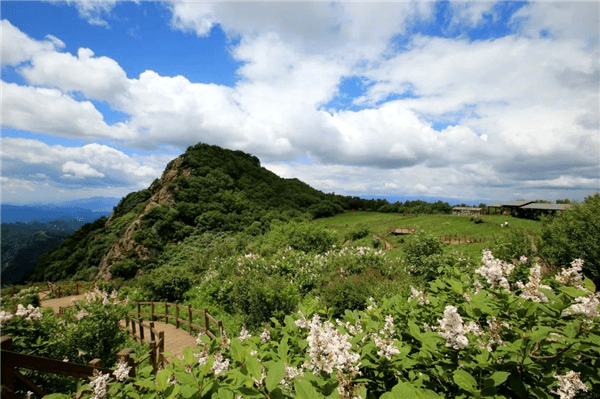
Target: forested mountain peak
[[206, 189]]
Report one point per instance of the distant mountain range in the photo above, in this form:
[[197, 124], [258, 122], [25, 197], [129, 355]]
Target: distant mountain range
[[84, 210]]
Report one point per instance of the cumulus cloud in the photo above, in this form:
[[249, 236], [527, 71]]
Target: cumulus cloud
[[92, 164], [17, 47], [476, 116], [51, 112]]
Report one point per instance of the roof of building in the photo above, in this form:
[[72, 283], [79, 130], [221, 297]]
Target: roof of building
[[553, 207], [516, 203]]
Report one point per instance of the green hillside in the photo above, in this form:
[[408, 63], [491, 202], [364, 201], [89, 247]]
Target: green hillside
[[207, 189]]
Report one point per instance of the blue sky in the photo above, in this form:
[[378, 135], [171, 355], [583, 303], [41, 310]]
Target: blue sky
[[479, 101]]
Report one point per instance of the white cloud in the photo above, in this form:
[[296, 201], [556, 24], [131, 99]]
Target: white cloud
[[103, 164], [17, 47], [51, 112], [79, 170], [93, 11], [99, 78]]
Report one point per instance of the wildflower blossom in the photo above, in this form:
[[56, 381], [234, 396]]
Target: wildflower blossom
[[5, 316], [531, 290], [452, 329], [122, 371], [523, 259], [571, 276], [569, 384], [423, 300], [586, 305], [266, 335], [495, 270], [81, 314], [244, 333], [21, 311], [290, 374], [220, 366], [202, 357], [372, 303], [98, 384]]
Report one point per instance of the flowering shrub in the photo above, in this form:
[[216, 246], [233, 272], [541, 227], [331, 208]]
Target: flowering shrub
[[457, 338]]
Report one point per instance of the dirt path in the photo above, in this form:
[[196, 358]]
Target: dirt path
[[175, 339], [54, 304]]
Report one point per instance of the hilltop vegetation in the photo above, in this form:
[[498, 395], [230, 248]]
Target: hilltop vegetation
[[206, 190]]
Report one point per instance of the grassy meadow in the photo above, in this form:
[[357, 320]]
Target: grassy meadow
[[437, 225]]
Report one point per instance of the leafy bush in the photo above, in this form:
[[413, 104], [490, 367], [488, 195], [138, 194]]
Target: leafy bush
[[167, 283], [420, 247], [358, 232], [125, 269], [575, 233]]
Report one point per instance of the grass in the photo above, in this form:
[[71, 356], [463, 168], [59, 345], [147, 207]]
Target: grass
[[438, 225]]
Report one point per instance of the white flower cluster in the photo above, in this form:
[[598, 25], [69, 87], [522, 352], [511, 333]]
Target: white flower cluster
[[290, 374], [452, 329], [571, 276], [220, 365], [352, 329], [531, 290], [244, 333], [523, 259], [98, 384], [423, 300], [81, 314], [329, 348], [265, 336], [30, 313], [495, 270], [5, 316], [586, 305], [372, 304], [569, 384], [384, 341], [202, 357], [122, 371]]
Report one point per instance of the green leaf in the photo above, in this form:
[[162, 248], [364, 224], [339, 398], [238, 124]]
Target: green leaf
[[187, 391], [464, 380], [172, 391], [274, 375], [499, 377], [236, 350], [253, 367], [162, 377], [187, 355], [283, 349], [572, 291], [304, 389], [184, 378], [414, 330], [456, 286], [572, 329], [589, 284], [145, 383]]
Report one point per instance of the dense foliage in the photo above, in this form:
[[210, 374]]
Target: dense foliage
[[457, 338], [574, 234]]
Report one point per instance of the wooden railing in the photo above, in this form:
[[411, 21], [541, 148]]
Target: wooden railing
[[12, 360], [461, 239], [157, 347], [187, 320]]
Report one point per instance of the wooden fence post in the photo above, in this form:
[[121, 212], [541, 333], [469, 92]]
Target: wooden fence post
[[206, 326], [125, 356], [140, 320], [133, 328], [153, 356], [152, 310], [190, 317], [161, 347], [177, 314], [95, 363], [151, 331], [220, 324], [8, 371], [166, 313], [139, 306]]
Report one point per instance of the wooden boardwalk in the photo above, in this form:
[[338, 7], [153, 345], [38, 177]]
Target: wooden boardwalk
[[175, 339]]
